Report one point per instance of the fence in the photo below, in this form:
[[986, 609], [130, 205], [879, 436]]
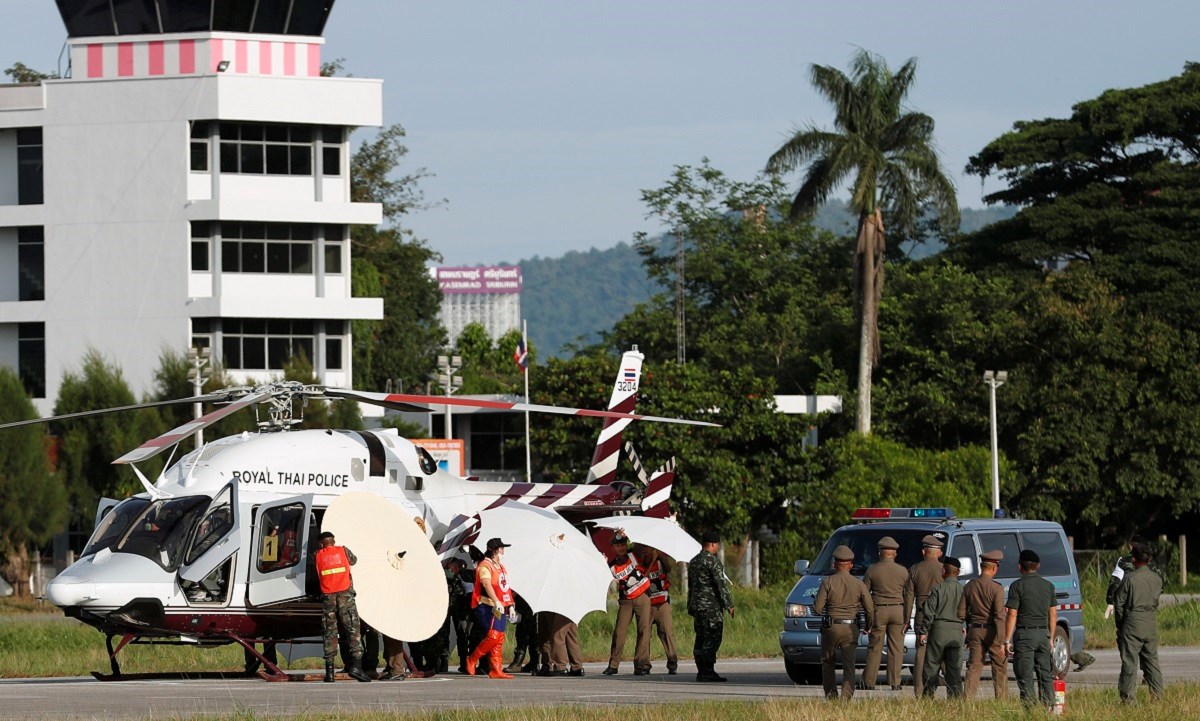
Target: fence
[[1170, 557]]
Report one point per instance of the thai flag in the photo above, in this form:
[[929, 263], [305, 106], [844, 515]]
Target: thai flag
[[630, 374], [520, 356]]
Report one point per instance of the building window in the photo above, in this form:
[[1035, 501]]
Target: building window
[[333, 353], [31, 357], [201, 247], [331, 150], [31, 263], [334, 235], [29, 166], [283, 248], [202, 330], [199, 146], [256, 344], [266, 149]]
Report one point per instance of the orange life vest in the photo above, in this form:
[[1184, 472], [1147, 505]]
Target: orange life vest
[[631, 583], [660, 583], [333, 568], [499, 581]]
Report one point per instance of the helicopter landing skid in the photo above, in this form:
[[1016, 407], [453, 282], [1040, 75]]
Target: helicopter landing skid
[[269, 672]]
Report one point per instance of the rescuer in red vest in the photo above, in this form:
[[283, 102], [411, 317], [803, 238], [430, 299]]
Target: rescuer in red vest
[[633, 602], [658, 568], [333, 564], [493, 602]]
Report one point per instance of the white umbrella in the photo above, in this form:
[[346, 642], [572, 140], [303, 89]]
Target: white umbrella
[[657, 533], [552, 565], [399, 582]]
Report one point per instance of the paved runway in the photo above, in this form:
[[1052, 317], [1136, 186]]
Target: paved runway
[[749, 680]]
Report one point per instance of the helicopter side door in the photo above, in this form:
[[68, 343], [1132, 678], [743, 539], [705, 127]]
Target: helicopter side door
[[215, 539], [279, 558]]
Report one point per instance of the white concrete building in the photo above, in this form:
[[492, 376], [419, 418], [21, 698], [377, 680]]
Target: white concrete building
[[488, 295], [186, 185]]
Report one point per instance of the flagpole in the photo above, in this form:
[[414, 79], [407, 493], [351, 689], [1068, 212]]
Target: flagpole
[[528, 454]]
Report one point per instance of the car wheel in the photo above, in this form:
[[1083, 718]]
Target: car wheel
[[803, 673], [1060, 651]]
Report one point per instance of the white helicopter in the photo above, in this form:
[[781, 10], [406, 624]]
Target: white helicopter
[[216, 550]]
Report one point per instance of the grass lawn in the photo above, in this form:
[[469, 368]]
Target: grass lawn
[[1097, 705]]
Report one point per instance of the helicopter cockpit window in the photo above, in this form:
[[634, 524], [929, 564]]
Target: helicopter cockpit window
[[114, 524], [279, 534], [214, 527], [160, 533]]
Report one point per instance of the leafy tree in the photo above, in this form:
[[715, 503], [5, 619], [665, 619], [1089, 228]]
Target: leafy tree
[[761, 294], [390, 263], [21, 73], [171, 382], [33, 502], [89, 445], [888, 154], [489, 367]]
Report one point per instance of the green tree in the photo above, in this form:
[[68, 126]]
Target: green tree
[[33, 502], [21, 73], [89, 445], [888, 155], [488, 367], [391, 264], [318, 413]]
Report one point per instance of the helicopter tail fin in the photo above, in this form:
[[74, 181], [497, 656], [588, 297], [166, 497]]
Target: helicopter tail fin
[[623, 400]]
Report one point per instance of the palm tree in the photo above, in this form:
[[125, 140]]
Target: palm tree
[[887, 153]]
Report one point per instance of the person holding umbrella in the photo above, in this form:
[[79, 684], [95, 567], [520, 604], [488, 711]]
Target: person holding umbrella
[[492, 599], [633, 603]]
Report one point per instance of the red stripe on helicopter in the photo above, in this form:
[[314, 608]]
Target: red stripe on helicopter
[[515, 492]]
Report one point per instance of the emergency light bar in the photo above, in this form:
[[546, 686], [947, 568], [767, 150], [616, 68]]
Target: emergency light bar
[[883, 514]]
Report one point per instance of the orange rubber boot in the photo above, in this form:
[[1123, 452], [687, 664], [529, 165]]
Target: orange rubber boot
[[498, 661], [484, 648]]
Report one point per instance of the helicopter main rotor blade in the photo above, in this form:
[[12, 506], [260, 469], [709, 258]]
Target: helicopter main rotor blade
[[157, 445], [117, 409], [392, 399]]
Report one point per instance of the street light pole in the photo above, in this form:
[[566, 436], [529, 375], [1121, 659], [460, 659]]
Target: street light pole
[[447, 368], [994, 380]]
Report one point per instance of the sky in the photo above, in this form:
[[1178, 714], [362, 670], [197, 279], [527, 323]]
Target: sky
[[542, 120]]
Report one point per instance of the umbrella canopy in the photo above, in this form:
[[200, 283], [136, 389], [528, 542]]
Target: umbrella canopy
[[657, 533], [400, 585], [552, 565]]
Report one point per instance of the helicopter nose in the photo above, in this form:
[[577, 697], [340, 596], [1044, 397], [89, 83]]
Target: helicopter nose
[[64, 592]]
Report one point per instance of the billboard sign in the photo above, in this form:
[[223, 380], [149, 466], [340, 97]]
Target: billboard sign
[[450, 454], [479, 279]]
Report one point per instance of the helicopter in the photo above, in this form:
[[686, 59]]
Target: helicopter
[[215, 551]]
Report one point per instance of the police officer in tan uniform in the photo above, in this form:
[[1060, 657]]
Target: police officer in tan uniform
[[922, 578], [838, 601], [887, 582], [983, 604]]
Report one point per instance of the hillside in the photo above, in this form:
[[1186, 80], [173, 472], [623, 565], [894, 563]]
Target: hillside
[[570, 299]]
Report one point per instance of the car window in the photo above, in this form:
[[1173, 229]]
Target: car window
[[864, 541], [963, 546], [1049, 547], [1006, 542]]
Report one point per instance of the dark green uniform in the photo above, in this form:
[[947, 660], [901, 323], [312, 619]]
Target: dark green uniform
[[1135, 604], [923, 577], [1033, 597], [709, 597], [839, 600], [943, 622], [339, 610]]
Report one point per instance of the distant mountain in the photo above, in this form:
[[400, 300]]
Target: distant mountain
[[570, 300]]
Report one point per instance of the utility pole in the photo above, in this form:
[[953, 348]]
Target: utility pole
[[448, 366], [995, 379], [199, 374]]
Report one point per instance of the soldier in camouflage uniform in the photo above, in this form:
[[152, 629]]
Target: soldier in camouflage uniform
[[1136, 604], [332, 565], [709, 596]]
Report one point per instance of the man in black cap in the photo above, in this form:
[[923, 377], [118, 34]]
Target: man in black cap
[[838, 601], [709, 596], [922, 578], [1032, 616], [942, 634], [332, 563], [633, 603]]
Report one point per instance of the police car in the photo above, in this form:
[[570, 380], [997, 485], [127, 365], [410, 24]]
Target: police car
[[966, 539]]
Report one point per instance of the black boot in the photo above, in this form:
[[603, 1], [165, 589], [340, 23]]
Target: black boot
[[328, 671], [356, 672], [518, 658], [532, 664]]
